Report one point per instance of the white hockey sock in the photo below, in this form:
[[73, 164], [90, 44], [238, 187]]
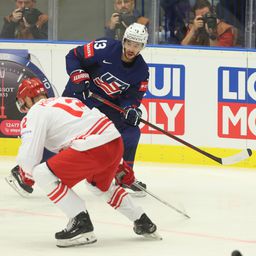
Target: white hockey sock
[[120, 200], [63, 197], [67, 200]]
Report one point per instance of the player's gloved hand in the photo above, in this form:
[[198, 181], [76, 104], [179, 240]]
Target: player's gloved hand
[[132, 116], [124, 175], [80, 80]]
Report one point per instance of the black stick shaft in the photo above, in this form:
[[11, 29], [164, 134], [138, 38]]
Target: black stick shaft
[[107, 102], [160, 200]]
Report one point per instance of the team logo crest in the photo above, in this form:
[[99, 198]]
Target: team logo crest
[[110, 84]]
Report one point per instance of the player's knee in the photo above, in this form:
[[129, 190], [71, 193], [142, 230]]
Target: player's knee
[[43, 177], [93, 189], [106, 192]]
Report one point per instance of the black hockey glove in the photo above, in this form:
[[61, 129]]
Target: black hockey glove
[[132, 116], [80, 80]]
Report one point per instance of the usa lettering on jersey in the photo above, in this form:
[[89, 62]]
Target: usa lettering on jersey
[[110, 84]]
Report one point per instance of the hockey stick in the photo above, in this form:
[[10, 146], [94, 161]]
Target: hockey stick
[[159, 199], [244, 154]]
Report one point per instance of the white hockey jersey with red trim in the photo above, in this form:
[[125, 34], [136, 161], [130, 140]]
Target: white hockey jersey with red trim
[[59, 123]]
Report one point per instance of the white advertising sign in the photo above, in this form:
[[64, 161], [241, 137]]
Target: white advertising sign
[[204, 96]]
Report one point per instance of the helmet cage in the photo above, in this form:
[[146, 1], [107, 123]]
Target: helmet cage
[[21, 105]]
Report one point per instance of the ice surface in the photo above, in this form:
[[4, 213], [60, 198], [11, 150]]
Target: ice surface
[[220, 200]]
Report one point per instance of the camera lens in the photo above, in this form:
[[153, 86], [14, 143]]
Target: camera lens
[[30, 15]]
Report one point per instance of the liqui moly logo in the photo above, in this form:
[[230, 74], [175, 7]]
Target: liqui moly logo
[[237, 102], [164, 102]]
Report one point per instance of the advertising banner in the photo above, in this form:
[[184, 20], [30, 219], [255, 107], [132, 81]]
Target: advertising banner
[[164, 101], [16, 65], [204, 96]]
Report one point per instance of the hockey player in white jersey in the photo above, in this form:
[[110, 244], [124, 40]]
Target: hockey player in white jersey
[[88, 147]]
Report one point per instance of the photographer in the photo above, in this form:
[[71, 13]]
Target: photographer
[[125, 14], [206, 29], [25, 22]]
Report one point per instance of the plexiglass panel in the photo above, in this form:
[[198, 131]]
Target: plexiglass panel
[[168, 21]]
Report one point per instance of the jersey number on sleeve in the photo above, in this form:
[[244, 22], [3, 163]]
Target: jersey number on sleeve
[[100, 44], [72, 106]]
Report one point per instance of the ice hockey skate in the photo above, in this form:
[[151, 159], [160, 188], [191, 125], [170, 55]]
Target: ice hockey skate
[[145, 227], [18, 184], [79, 231]]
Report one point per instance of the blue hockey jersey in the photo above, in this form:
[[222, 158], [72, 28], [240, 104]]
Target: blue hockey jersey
[[122, 83]]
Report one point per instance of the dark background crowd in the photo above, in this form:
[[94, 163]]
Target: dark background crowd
[[221, 23]]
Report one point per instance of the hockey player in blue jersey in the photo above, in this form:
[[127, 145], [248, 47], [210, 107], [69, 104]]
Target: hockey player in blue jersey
[[116, 71]]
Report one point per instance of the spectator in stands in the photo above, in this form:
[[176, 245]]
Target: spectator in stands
[[124, 15], [25, 22], [176, 17], [233, 12], [207, 30]]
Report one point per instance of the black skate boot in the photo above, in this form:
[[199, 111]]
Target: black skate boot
[[79, 231], [145, 227], [22, 186]]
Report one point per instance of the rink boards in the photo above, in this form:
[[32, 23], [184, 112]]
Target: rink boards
[[204, 96]]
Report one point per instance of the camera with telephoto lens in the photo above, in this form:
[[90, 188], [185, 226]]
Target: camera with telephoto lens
[[126, 18], [210, 19], [30, 14]]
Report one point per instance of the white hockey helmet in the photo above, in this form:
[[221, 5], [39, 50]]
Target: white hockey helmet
[[136, 32]]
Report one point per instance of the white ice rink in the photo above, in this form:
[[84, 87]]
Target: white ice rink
[[220, 201]]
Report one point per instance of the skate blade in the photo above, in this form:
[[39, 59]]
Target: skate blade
[[15, 185], [154, 236], [82, 239]]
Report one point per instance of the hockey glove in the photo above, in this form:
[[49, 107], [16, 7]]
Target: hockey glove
[[132, 116], [124, 175], [80, 80]]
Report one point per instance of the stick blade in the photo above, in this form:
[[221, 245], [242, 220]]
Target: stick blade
[[244, 154]]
